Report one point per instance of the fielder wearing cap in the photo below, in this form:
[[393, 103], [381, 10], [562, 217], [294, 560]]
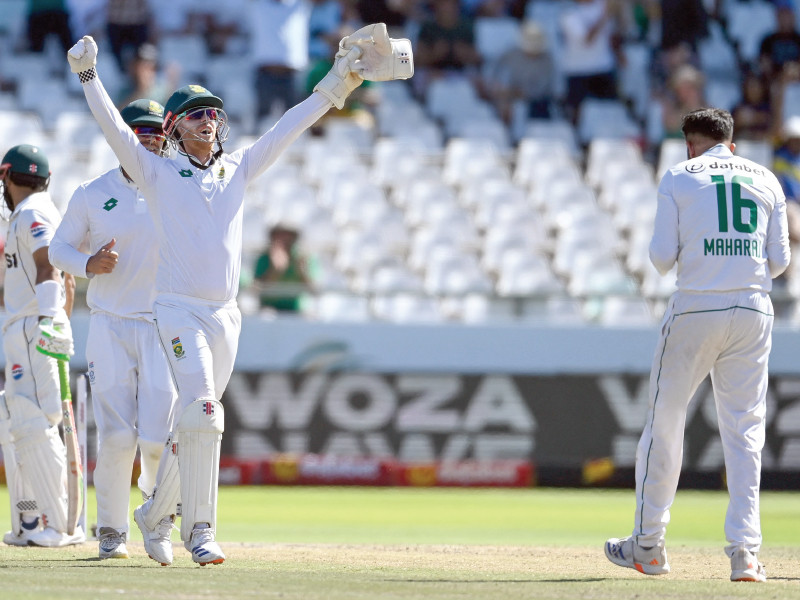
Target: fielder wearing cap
[[131, 412]]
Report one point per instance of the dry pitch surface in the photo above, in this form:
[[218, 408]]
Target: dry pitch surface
[[332, 571]]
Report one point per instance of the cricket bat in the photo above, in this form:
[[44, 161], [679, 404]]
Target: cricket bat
[[74, 466]]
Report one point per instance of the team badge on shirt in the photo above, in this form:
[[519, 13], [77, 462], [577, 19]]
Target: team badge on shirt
[[16, 371], [38, 229], [177, 348], [221, 174]]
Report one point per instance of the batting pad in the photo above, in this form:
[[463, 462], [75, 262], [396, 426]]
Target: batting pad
[[13, 476], [42, 460], [168, 487], [199, 430]]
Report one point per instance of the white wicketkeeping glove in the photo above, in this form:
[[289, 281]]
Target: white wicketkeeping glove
[[382, 58], [340, 81], [83, 55], [55, 339]]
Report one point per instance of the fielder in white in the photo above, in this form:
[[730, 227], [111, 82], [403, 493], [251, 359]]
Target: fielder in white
[[132, 392], [196, 200], [722, 218], [37, 305]]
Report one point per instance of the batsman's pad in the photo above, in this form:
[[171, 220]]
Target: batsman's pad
[[382, 58], [42, 460], [20, 494], [168, 487], [199, 430]]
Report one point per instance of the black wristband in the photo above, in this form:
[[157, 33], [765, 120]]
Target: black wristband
[[87, 75]]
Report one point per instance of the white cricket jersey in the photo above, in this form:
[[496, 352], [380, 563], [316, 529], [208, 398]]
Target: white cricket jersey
[[198, 212], [105, 208], [31, 227], [723, 219]]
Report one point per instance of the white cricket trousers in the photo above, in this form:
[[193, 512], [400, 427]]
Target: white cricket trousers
[[133, 400], [200, 339], [30, 373], [728, 335]]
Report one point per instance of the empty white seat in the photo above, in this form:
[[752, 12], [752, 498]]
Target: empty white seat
[[495, 35], [336, 306], [406, 308], [605, 118]]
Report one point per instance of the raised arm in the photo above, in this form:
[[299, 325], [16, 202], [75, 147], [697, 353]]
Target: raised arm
[[139, 164]]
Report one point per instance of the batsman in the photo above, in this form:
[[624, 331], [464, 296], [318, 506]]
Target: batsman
[[196, 202], [38, 301]]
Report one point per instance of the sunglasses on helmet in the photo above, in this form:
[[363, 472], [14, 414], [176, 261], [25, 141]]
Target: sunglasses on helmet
[[196, 114], [148, 131]]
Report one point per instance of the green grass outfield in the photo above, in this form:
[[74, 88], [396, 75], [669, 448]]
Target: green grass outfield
[[359, 543]]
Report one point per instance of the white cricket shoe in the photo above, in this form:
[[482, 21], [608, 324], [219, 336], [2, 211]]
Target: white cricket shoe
[[203, 547], [627, 553], [745, 567], [156, 541], [112, 543], [21, 537], [50, 538]]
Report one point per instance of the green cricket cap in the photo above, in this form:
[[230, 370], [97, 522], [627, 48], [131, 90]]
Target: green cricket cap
[[145, 113], [27, 159]]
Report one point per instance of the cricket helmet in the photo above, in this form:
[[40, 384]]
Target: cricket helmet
[[185, 99]]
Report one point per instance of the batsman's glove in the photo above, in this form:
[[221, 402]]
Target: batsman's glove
[[55, 339]]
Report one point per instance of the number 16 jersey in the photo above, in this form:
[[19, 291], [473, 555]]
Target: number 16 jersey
[[722, 218]]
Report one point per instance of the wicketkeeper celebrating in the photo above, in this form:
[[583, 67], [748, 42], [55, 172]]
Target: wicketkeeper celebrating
[[196, 203], [37, 307]]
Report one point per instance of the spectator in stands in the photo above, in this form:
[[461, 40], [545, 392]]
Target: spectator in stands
[[787, 159], [494, 8], [753, 115], [395, 13], [683, 23], [144, 79], [685, 93], [46, 17], [128, 26], [590, 51], [783, 46], [525, 73], [283, 273], [324, 30], [218, 27], [279, 34], [445, 44]]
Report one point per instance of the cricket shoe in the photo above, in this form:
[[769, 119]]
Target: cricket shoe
[[627, 553], [51, 538], [112, 543], [21, 537], [156, 541], [203, 547], [745, 567]]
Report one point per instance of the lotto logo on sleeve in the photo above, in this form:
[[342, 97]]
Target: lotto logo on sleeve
[[16, 371], [38, 229], [177, 348]]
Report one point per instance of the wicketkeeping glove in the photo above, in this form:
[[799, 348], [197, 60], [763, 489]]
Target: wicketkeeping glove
[[382, 58], [340, 81], [55, 339], [83, 55]]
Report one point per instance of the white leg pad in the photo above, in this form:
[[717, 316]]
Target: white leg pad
[[20, 500], [167, 492], [199, 430], [42, 460]]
